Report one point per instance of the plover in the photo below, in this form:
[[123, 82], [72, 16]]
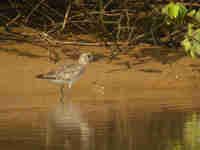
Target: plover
[[68, 73]]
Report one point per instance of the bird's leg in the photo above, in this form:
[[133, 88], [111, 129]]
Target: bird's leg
[[62, 94], [70, 84]]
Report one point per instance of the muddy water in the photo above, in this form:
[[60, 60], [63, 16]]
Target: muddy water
[[101, 125]]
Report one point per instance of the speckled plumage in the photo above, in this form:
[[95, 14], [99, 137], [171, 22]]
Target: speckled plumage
[[68, 73]]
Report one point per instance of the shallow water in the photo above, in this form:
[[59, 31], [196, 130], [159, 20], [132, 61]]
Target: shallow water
[[102, 125]]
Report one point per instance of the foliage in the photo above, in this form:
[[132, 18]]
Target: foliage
[[191, 43], [176, 14], [128, 21]]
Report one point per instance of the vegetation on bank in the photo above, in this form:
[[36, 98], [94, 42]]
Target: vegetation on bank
[[113, 22]]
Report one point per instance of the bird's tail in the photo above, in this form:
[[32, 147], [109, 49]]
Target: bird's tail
[[46, 76]]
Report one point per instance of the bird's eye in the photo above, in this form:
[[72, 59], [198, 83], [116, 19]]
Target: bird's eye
[[90, 56]]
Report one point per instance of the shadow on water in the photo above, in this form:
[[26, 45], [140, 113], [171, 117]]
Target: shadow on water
[[93, 125]]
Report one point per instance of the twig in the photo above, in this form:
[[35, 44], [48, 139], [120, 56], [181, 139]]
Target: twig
[[35, 8], [119, 27], [107, 4], [13, 20], [54, 10], [66, 15], [43, 14], [13, 5], [154, 39], [51, 40]]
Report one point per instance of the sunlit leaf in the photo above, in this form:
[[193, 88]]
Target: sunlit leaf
[[197, 51], [186, 44], [196, 35], [196, 47], [191, 13], [197, 16], [191, 43], [192, 54], [190, 29], [173, 10], [182, 9], [165, 9]]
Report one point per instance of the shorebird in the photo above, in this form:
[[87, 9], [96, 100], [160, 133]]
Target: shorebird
[[68, 73]]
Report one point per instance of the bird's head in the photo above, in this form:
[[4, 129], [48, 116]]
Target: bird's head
[[85, 58]]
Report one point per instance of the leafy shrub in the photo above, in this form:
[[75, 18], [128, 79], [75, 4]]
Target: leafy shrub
[[176, 14]]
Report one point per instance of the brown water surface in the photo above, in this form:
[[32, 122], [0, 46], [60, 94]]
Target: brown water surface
[[147, 99], [96, 125]]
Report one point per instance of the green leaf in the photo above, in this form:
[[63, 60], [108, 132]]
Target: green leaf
[[196, 35], [165, 9], [182, 12], [182, 8], [190, 29], [191, 42], [197, 51], [186, 44], [192, 13], [197, 16], [192, 54], [173, 10]]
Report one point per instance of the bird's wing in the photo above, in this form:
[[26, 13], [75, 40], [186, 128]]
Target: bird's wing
[[69, 72]]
